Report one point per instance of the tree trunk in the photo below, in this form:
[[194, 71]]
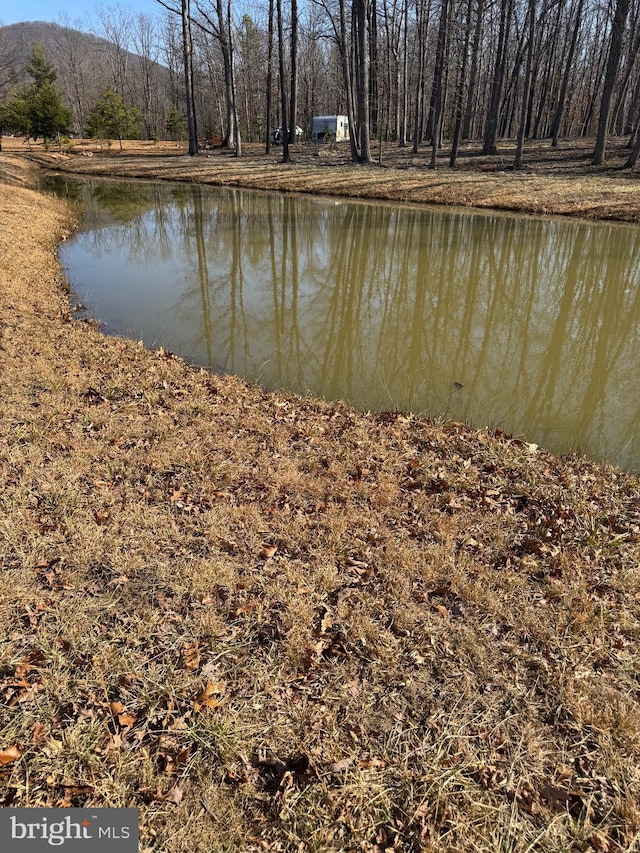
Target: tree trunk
[[467, 126], [372, 38], [633, 156], [361, 9], [461, 84], [491, 126], [342, 41], [615, 49], [527, 86], [437, 94], [293, 95], [422, 23], [237, 142], [283, 85], [557, 118], [269, 78], [632, 53], [187, 54], [545, 85], [633, 109], [402, 137]]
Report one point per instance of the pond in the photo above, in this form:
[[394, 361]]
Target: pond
[[530, 325]]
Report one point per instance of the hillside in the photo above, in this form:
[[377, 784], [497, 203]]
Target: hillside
[[58, 43], [85, 65]]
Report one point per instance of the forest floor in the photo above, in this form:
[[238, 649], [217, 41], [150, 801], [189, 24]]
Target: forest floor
[[558, 181], [275, 623]]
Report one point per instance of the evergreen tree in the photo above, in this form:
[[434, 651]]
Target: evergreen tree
[[111, 118], [37, 110], [176, 125], [39, 67], [49, 116]]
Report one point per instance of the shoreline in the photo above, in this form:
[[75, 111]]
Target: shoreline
[[548, 186]]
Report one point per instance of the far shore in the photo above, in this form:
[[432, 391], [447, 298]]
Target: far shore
[[554, 181]]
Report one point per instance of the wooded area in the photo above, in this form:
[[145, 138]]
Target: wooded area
[[415, 72]]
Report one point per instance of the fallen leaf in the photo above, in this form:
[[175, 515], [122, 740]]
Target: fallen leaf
[[175, 795], [191, 656], [9, 755], [38, 733], [212, 696], [32, 660], [71, 793], [267, 551], [421, 812], [340, 766], [244, 608], [372, 764], [264, 845]]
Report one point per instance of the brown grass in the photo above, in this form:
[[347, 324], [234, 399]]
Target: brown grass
[[553, 181], [273, 623]]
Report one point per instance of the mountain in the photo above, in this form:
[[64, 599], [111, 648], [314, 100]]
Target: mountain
[[86, 64], [16, 44]]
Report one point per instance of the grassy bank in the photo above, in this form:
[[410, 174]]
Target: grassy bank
[[558, 181], [274, 623]]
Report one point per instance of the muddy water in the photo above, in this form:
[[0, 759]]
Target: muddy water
[[530, 325]]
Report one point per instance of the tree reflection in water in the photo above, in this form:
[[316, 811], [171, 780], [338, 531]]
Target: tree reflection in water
[[523, 323]]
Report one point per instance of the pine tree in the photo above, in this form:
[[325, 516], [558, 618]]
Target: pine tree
[[111, 118], [37, 110], [39, 67]]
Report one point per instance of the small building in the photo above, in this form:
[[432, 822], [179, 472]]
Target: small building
[[330, 129]]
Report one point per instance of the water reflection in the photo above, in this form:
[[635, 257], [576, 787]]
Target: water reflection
[[523, 323]]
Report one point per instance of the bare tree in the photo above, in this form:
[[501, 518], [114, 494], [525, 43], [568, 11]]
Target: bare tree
[[361, 19], [115, 27], [461, 87], [342, 38], [423, 13], [283, 85], [469, 112], [437, 94], [146, 47], [293, 93], [557, 117], [78, 79], [531, 19], [613, 61], [217, 22], [269, 77], [187, 55], [491, 125]]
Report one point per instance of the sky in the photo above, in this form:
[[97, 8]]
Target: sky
[[15, 11]]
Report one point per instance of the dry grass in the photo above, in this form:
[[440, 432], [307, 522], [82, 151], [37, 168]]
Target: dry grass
[[553, 181], [274, 623]]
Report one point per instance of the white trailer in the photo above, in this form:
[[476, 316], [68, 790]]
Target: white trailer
[[330, 129]]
